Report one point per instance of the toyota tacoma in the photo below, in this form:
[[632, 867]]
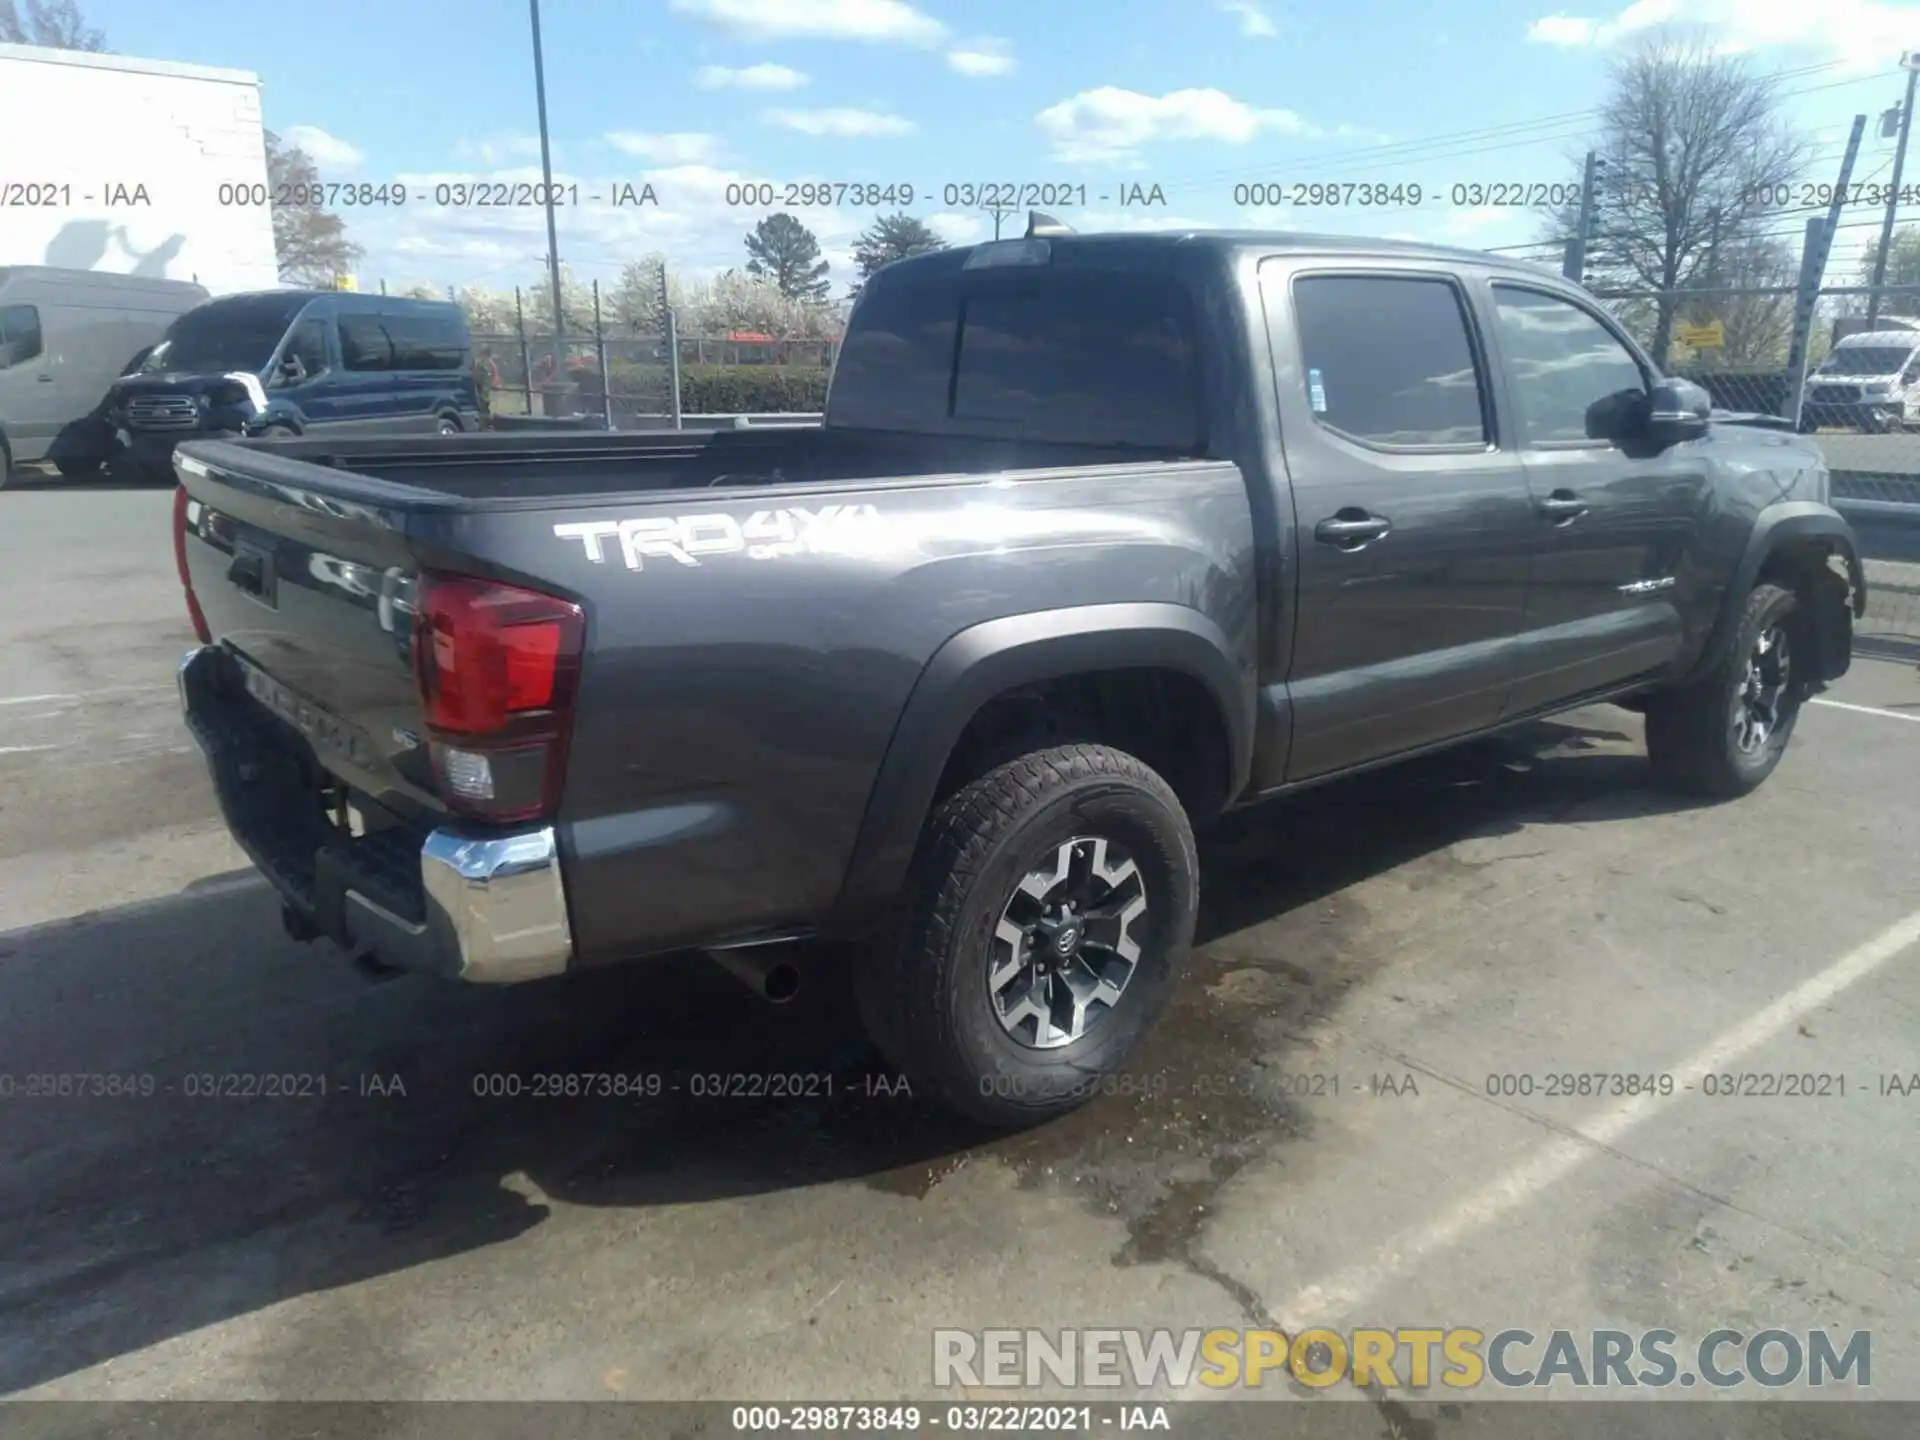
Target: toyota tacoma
[[1100, 536]]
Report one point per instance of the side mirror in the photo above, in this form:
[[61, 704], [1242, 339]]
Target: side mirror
[[1677, 410]]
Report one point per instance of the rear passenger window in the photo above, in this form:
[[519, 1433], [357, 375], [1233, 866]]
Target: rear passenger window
[[426, 342], [1388, 361], [1108, 360], [364, 343], [19, 335]]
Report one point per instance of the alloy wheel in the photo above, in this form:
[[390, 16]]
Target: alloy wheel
[[1758, 703], [1065, 946]]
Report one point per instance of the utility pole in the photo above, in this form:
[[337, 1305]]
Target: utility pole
[[671, 324], [1576, 262], [999, 213], [600, 355], [546, 180], [1910, 62], [1813, 267]]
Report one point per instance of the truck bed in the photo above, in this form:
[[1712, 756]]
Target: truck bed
[[745, 665], [550, 466]]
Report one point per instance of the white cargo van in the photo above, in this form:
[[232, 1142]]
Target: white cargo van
[[1869, 381], [65, 337]]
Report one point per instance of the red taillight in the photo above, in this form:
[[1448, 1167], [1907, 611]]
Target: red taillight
[[180, 503], [497, 666]]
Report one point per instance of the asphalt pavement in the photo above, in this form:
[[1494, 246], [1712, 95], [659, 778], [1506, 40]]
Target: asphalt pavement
[[1345, 1119]]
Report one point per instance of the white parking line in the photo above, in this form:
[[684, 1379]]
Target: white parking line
[[64, 695], [1326, 1301], [1864, 709], [24, 749]]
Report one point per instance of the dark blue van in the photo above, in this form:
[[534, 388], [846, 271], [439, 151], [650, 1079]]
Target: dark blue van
[[298, 362]]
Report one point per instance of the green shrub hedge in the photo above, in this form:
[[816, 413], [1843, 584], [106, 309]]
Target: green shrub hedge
[[751, 389]]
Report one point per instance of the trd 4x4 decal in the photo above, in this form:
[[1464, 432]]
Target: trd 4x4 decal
[[687, 539]]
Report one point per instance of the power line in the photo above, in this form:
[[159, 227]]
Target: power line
[[1398, 153], [1512, 135]]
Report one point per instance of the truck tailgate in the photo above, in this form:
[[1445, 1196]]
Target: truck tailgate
[[312, 592]]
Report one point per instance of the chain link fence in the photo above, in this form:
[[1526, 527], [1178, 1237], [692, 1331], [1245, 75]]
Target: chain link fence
[[628, 375]]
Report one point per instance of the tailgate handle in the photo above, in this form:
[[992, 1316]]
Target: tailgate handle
[[251, 571]]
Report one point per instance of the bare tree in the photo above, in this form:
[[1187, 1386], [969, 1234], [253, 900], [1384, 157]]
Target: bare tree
[[56, 24], [1758, 327], [1693, 145]]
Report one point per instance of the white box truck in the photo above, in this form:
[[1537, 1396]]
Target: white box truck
[[136, 167]]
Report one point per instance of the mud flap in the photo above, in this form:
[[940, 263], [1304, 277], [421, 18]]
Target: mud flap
[[1831, 623]]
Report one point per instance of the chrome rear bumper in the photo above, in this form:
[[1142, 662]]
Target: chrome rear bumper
[[485, 906]]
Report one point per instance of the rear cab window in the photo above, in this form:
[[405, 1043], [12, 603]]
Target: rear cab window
[[1071, 354]]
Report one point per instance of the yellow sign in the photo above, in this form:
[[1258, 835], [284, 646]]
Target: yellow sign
[[1710, 336], [345, 282]]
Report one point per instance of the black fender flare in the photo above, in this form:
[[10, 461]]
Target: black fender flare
[[987, 660], [1779, 523]]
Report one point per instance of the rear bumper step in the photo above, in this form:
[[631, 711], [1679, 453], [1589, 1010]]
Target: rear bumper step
[[485, 906]]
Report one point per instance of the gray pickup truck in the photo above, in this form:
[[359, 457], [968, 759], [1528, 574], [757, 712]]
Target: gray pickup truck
[[1100, 537]]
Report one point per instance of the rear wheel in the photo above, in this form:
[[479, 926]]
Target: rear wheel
[[1051, 907], [6, 465], [279, 432], [1723, 734], [449, 425]]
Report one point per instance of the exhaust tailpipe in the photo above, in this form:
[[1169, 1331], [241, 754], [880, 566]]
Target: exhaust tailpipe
[[766, 970]]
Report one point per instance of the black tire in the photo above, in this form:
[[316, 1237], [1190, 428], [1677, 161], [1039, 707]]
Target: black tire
[[926, 1000], [1695, 733], [449, 425], [6, 465], [279, 432]]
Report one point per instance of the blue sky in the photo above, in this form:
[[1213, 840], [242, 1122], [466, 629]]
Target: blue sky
[[1194, 96]]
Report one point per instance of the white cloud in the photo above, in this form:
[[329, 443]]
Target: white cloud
[[683, 148], [327, 151], [1111, 124], [749, 77], [1867, 34], [842, 121], [982, 57], [879, 20], [498, 150], [1566, 30], [1255, 23]]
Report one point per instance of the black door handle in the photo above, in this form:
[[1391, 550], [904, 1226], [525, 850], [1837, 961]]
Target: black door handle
[[46, 379], [1563, 507], [1350, 529]]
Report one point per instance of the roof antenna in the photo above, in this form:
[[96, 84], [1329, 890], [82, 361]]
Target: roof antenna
[[1041, 223]]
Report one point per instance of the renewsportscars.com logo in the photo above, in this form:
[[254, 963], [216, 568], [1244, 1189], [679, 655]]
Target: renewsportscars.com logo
[[1407, 1358]]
